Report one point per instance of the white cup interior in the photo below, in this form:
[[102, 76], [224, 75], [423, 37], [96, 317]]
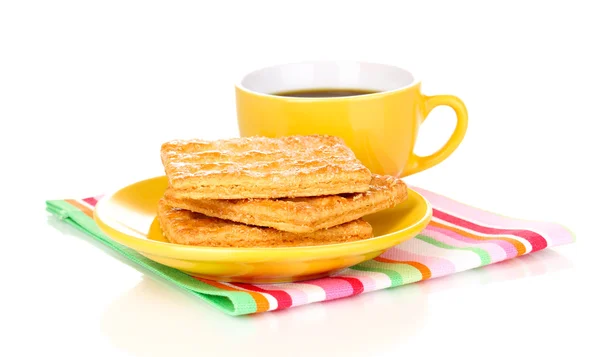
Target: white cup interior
[[327, 75]]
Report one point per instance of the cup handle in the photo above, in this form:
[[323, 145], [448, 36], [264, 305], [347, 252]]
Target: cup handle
[[419, 163]]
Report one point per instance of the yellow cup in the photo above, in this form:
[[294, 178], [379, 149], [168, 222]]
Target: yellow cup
[[381, 128]]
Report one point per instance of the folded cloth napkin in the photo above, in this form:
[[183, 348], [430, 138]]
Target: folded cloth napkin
[[458, 238]]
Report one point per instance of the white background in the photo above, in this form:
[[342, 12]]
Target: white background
[[89, 91]]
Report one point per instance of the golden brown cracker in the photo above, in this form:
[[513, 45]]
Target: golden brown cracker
[[261, 167], [185, 227], [300, 215]]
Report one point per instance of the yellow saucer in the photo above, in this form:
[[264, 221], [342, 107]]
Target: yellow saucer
[[128, 216]]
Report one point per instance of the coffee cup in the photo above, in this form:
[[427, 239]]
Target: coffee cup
[[376, 109]]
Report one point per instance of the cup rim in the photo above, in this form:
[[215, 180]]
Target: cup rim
[[416, 81]]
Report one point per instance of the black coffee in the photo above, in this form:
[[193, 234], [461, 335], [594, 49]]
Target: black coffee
[[325, 93]]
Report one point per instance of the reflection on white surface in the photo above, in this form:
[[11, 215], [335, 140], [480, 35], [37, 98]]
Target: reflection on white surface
[[155, 318], [153, 311]]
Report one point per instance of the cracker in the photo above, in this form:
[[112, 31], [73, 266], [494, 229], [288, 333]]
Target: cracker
[[262, 167], [300, 215], [190, 228]]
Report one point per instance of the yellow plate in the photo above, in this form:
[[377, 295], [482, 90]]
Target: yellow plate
[[128, 216]]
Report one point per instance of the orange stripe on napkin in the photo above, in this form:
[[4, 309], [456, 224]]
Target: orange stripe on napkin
[[88, 212], [262, 304], [520, 247], [425, 272]]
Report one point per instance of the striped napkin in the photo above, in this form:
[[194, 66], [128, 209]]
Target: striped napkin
[[458, 238]]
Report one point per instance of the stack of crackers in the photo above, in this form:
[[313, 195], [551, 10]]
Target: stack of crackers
[[270, 192]]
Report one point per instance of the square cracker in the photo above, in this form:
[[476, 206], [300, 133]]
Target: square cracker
[[185, 227], [300, 215], [261, 167]]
